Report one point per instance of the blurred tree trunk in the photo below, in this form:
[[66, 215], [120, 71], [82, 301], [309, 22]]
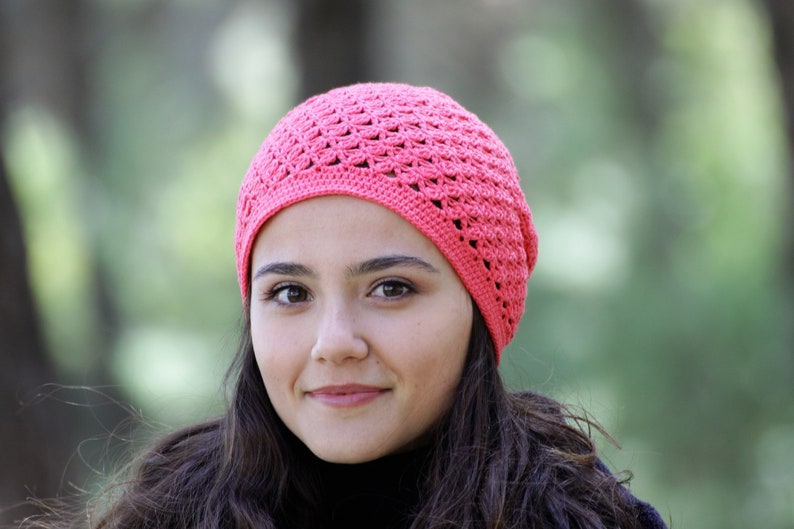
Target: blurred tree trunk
[[331, 40], [34, 438], [781, 22], [30, 456], [632, 49], [47, 64], [43, 62], [633, 52]]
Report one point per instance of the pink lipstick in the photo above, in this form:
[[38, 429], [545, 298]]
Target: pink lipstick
[[346, 395]]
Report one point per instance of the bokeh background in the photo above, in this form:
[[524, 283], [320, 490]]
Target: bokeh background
[[655, 150]]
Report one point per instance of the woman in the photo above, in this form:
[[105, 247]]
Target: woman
[[383, 246]]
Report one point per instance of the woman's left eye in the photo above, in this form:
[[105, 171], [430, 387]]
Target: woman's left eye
[[391, 289]]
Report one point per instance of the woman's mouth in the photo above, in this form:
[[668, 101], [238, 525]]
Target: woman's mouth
[[346, 395]]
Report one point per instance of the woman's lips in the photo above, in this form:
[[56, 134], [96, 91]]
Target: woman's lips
[[346, 395]]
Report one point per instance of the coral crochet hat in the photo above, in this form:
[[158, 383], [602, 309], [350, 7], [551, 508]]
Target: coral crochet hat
[[417, 152]]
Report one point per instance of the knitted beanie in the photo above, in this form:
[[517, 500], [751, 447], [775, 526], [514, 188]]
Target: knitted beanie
[[418, 153]]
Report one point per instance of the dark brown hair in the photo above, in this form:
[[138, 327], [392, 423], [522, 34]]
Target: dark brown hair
[[499, 460]]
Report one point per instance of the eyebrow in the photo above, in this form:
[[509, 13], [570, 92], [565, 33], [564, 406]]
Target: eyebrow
[[369, 266], [379, 264], [283, 269]]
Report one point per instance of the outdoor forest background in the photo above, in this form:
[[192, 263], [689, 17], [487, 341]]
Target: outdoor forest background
[[654, 140]]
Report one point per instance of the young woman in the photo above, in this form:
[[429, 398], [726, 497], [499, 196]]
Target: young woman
[[383, 247]]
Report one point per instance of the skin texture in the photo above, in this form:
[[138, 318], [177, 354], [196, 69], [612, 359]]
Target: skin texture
[[360, 327]]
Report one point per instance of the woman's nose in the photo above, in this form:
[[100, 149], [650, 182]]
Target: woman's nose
[[338, 335]]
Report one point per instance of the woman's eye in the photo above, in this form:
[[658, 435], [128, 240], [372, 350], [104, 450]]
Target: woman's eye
[[392, 289], [288, 294]]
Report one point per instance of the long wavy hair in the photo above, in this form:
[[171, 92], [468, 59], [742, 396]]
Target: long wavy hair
[[498, 460]]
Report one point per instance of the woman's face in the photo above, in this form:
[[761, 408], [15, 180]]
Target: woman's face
[[360, 327]]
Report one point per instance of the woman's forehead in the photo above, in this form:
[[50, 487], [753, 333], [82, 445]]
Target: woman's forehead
[[339, 224]]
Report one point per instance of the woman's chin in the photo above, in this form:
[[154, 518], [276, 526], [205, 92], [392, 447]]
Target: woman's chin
[[347, 455]]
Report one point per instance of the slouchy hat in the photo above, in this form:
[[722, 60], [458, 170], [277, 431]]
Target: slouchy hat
[[417, 152]]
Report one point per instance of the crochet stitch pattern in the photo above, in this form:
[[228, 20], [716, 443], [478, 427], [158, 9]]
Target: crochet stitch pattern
[[417, 152]]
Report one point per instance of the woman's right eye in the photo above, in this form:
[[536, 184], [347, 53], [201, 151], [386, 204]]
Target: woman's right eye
[[288, 294]]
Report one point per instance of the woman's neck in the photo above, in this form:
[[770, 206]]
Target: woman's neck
[[381, 493]]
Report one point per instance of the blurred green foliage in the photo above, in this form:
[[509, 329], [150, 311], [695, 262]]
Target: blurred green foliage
[[658, 301]]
